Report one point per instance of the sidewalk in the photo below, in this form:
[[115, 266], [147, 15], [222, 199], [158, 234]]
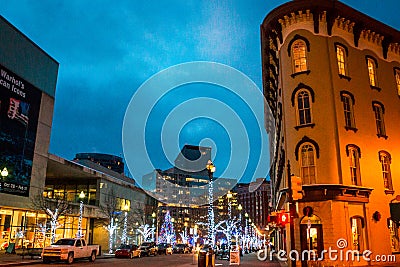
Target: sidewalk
[[18, 260]]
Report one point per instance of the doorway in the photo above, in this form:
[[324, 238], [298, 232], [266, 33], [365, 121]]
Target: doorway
[[311, 238]]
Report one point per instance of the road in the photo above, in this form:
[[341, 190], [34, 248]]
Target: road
[[175, 260]]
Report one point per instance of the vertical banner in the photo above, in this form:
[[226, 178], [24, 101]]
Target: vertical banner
[[19, 113]]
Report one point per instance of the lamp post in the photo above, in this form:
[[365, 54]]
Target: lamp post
[[153, 215], [81, 197], [229, 226], [211, 237], [240, 223], [246, 215], [125, 209]]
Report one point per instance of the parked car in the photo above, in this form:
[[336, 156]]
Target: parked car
[[69, 249], [182, 248], [162, 248], [130, 251], [148, 248]]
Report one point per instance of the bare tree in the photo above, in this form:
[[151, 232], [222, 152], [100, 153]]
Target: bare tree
[[109, 208], [53, 207]]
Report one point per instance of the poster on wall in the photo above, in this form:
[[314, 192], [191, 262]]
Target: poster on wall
[[19, 113]]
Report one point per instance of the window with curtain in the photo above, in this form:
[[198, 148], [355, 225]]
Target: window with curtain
[[341, 60], [357, 231], [307, 164], [372, 72], [299, 58], [397, 76], [303, 107]]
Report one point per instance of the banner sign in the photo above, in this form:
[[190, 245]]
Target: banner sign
[[19, 113]]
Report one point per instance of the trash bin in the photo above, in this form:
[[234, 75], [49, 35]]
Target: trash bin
[[202, 261]]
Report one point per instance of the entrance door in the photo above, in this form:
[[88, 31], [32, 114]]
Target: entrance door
[[311, 240]]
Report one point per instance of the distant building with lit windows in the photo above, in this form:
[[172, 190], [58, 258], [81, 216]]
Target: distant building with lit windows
[[111, 162], [331, 77]]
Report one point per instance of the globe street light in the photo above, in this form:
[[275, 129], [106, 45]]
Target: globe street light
[[211, 238], [81, 197], [4, 172]]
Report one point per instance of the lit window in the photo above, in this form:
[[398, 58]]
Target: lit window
[[372, 72], [385, 160], [307, 164], [303, 107], [357, 231], [380, 123], [354, 162], [394, 235], [397, 74], [348, 103], [341, 59], [299, 56]]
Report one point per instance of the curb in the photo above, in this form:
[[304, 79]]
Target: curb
[[32, 262]]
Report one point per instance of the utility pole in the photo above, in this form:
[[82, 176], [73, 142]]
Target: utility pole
[[292, 210]]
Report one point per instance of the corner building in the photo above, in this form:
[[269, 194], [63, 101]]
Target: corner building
[[331, 77]]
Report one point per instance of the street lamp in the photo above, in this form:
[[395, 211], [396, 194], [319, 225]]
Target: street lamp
[[81, 197], [153, 215], [229, 226], [4, 172], [126, 209], [211, 169], [240, 223]]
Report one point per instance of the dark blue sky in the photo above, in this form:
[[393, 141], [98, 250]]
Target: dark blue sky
[[107, 49]]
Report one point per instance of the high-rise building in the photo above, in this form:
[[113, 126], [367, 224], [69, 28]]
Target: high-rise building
[[331, 77]]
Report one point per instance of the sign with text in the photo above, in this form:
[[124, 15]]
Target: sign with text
[[234, 257], [19, 113]]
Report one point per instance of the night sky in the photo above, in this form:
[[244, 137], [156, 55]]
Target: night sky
[[107, 49]]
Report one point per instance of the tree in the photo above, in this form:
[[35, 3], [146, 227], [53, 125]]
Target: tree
[[54, 208], [167, 232], [109, 208]]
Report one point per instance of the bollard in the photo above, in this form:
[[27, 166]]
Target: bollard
[[210, 258], [202, 259]]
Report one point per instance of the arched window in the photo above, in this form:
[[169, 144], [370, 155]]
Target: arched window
[[308, 164], [379, 111], [397, 76], [385, 159], [303, 107], [354, 154], [299, 56], [372, 65], [357, 232], [341, 60], [348, 102]]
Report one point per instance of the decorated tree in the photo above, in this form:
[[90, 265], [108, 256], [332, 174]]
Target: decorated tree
[[167, 232]]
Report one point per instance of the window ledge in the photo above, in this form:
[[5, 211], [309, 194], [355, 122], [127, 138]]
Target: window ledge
[[383, 136], [389, 192], [375, 88], [305, 125], [344, 77], [300, 72], [348, 128]]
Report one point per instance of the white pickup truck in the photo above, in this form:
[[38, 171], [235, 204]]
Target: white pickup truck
[[69, 249]]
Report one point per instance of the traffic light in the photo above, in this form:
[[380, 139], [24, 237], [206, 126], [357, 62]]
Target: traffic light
[[283, 218], [297, 190]]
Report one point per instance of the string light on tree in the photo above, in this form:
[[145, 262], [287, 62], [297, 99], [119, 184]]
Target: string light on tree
[[211, 231], [167, 232], [126, 209], [81, 197]]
